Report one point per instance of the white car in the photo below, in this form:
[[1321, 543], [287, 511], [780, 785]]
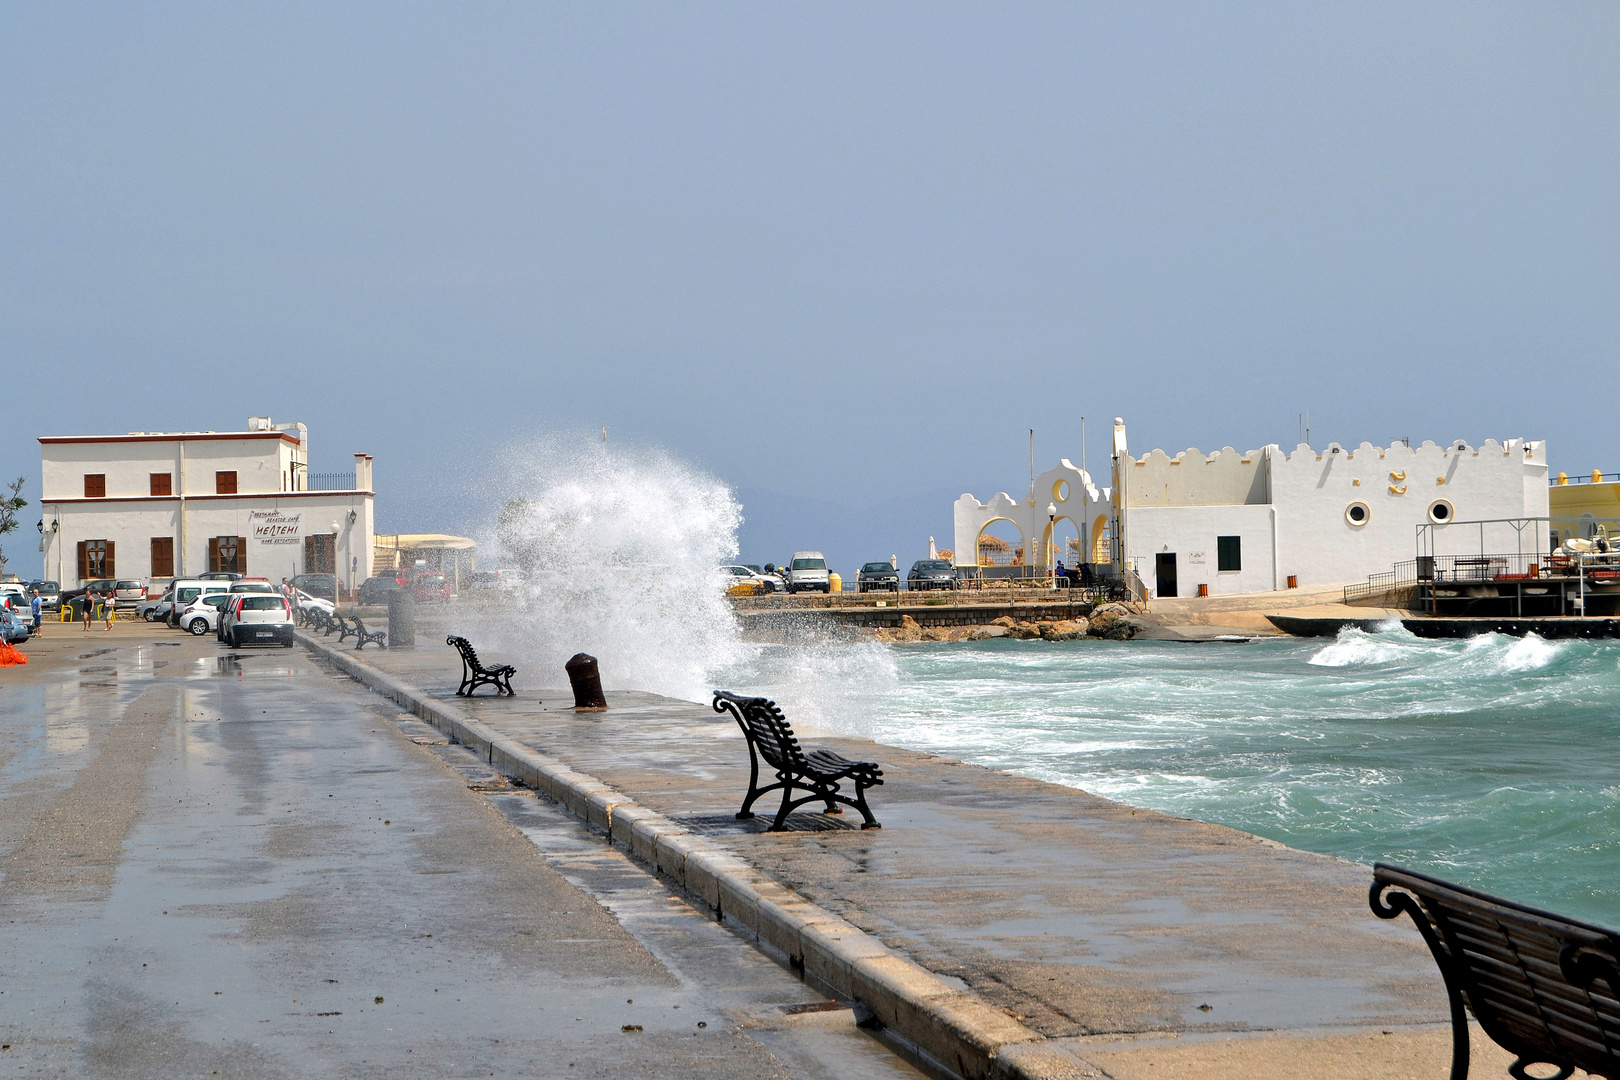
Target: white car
[[748, 576], [260, 619], [201, 616]]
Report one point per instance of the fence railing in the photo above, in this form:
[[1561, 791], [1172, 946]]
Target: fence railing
[[1594, 477], [331, 481], [1500, 567]]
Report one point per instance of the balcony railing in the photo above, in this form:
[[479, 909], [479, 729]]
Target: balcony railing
[[331, 481]]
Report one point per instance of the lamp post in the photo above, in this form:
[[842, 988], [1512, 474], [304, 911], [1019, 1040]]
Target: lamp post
[[337, 593], [1051, 528]]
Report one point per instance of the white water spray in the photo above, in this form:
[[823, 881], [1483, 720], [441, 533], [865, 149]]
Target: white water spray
[[624, 549]]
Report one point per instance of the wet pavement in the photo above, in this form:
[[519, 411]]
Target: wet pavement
[[244, 865], [1149, 945]]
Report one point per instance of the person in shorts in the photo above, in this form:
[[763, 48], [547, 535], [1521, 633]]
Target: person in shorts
[[87, 607], [37, 607]]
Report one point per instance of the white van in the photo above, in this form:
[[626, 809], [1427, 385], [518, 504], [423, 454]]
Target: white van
[[808, 570]]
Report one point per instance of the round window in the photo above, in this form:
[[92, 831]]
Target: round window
[[1441, 511], [1060, 491], [1357, 513]]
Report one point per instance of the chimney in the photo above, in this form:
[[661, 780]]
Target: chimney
[[362, 472]]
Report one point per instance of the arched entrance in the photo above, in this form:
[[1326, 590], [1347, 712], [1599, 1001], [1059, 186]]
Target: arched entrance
[[1000, 543], [1102, 540], [1061, 544]]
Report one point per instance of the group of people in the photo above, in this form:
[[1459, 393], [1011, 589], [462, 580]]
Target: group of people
[[88, 604]]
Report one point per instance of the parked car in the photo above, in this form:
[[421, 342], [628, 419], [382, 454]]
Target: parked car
[[428, 588], [807, 572], [13, 603], [258, 620], [932, 574], [220, 575], [50, 594], [877, 576], [498, 579], [746, 580], [375, 590], [128, 592], [14, 629], [253, 584], [156, 608], [186, 593], [201, 616], [321, 585]]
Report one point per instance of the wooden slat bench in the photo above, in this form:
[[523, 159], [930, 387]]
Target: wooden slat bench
[[818, 772], [474, 674], [1544, 987]]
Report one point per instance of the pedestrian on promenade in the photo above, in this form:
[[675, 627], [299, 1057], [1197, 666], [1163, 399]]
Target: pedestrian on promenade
[[108, 607], [37, 605], [87, 607]]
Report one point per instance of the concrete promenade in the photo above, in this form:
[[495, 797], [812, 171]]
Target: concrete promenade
[[1128, 943], [231, 863]]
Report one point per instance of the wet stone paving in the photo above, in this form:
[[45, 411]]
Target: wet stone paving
[[241, 864]]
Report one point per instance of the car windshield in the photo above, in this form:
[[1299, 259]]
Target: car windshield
[[877, 568], [932, 564], [809, 564], [261, 603], [47, 587], [738, 571]]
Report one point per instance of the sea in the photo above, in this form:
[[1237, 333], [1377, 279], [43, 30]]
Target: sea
[[1491, 761]]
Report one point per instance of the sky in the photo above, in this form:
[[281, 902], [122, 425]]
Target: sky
[[843, 256]]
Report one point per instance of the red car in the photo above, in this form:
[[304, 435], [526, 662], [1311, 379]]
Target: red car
[[427, 588]]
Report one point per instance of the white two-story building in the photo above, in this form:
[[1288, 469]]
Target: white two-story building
[[157, 506]]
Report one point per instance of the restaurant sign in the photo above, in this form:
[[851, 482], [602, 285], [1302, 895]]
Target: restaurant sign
[[274, 527]]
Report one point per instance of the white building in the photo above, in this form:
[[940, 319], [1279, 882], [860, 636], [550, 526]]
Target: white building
[[162, 505], [1063, 494], [1249, 522]]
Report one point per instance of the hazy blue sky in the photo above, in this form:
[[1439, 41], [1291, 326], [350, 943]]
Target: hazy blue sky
[[844, 256]]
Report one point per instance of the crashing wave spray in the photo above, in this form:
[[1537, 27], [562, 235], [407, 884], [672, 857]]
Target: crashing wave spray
[[623, 551]]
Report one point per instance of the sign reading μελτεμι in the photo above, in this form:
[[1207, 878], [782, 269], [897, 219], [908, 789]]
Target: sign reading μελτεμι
[[1195, 558], [274, 527]]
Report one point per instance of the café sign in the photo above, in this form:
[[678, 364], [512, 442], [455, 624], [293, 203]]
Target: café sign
[[274, 527]]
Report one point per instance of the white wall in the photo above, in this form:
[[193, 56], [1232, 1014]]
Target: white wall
[[1189, 532], [1066, 489], [131, 525], [261, 464], [1399, 484]]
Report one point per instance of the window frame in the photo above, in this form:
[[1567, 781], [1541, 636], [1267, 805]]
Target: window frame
[[1229, 546], [225, 482], [95, 485], [160, 484], [162, 556]]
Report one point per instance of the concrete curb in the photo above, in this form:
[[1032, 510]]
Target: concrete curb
[[956, 1028]]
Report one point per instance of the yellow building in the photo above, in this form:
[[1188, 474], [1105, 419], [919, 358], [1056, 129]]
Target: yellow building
[[1585, 506]]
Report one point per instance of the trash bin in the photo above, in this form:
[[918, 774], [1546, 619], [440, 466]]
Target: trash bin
[[835, 583]]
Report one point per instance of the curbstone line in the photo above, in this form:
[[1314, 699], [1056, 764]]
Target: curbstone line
[[954, 1027]]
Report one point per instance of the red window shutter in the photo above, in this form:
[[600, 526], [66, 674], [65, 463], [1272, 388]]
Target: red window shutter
[[162, 483], [95, 485], [112, 570], [225, 483], [241, 555], [213, 553], [84, 560], [162, 556]]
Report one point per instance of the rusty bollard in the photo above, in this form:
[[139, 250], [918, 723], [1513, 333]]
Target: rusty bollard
[[587, 682]]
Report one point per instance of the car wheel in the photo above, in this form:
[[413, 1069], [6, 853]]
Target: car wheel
[[198, 627]]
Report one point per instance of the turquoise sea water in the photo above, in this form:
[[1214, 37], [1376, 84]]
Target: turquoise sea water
[[1492, 761]]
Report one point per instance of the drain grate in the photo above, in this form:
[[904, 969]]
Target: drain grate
[[721, 824]]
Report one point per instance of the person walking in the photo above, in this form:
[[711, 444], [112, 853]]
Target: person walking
[[109, 607], [37, 606], [87, 606]]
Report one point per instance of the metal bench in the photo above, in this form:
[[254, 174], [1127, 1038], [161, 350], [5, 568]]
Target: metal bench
[[474, 674], [362, 635], [344, 629], [1544, 987], [818, 772]]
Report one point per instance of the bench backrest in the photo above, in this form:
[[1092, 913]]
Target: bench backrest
[[764, 726], [468, 654], [1542, 986]]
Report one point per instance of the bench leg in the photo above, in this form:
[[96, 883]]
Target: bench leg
[[868, 821], [787, 804]]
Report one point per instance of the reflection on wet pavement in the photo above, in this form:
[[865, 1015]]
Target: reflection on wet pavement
[[234, 862]]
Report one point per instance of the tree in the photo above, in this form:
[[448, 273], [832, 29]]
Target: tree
[[9, 505]]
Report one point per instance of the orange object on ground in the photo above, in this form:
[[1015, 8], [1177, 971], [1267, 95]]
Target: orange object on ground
[[10, 657]]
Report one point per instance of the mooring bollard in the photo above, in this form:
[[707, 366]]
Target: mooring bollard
[[587, 682], [401, 619]]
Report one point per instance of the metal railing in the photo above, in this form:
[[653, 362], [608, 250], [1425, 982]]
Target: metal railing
[[1593, 477], [331, 481]]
